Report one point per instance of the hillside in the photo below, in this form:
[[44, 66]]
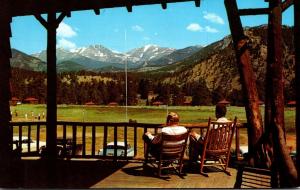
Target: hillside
[[27, 62], [175, 56], [216, 63], [69, 66]]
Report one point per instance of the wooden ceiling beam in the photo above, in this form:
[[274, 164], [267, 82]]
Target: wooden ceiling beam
[[60, 18], [41, 20], [34, 7], [197, 3], [164, 5], [286, 4], [97, 11], [129, 7], [257, 11]]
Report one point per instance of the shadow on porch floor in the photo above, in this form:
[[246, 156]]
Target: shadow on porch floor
[[109, 174]]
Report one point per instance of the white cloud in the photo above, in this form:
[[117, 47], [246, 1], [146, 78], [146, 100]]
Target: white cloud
[[212, 17], [146, 38], [194, 27], [66, 44], [210, 29], [137, 28], [65, 31]]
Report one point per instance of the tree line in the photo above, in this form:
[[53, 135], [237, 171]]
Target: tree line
[[102, 88]]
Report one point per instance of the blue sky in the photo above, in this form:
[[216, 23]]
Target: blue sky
[[179, 26]]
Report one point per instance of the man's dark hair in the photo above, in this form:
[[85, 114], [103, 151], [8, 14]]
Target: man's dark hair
[[220, 110]]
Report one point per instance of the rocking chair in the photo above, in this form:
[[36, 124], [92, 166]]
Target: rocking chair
[[217, 143], [170, 153]]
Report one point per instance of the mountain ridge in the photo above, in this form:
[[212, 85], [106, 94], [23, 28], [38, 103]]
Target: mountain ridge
[[97, 56]]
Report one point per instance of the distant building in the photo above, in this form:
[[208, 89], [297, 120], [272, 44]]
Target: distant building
[[31, 100], [14, 101], [291, 103], [91, 103], [113, 104], [224, 102], [157, 103], [188, 100]]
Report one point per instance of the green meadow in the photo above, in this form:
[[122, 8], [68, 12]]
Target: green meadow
[[142, 114]]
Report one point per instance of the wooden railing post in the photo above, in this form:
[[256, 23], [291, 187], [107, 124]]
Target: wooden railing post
[[115, 141], [64, 136], [74, 139], [28, 137], [237, 142], [83, 140], [105, 140], [20, 134], [135, 140], [38, 130], [125, 140], [93, 139]]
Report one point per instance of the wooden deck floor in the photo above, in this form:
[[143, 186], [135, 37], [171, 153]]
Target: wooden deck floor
[[100, 174], [133, 175]]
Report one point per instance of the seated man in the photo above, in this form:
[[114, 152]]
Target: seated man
[[196, 140], [153, 142]]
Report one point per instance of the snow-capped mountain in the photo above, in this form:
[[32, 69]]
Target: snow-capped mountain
[[63, 55], [100, 53], [98, 56], [150, 52], [175, 56]]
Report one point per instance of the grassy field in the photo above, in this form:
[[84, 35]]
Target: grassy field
[[140, 114], [146, 114]]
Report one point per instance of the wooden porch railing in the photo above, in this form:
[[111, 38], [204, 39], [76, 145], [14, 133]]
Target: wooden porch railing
[[87, 138]]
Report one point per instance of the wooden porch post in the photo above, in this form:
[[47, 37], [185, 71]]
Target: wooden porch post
[[274, 78], [274, 39], [282, 162], [51, 25], [297, 73], [51, 86], [51, 152], [246, 74], [5, 73]]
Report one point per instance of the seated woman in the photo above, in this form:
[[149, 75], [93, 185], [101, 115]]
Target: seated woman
[[196, 140], [153, 142]]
